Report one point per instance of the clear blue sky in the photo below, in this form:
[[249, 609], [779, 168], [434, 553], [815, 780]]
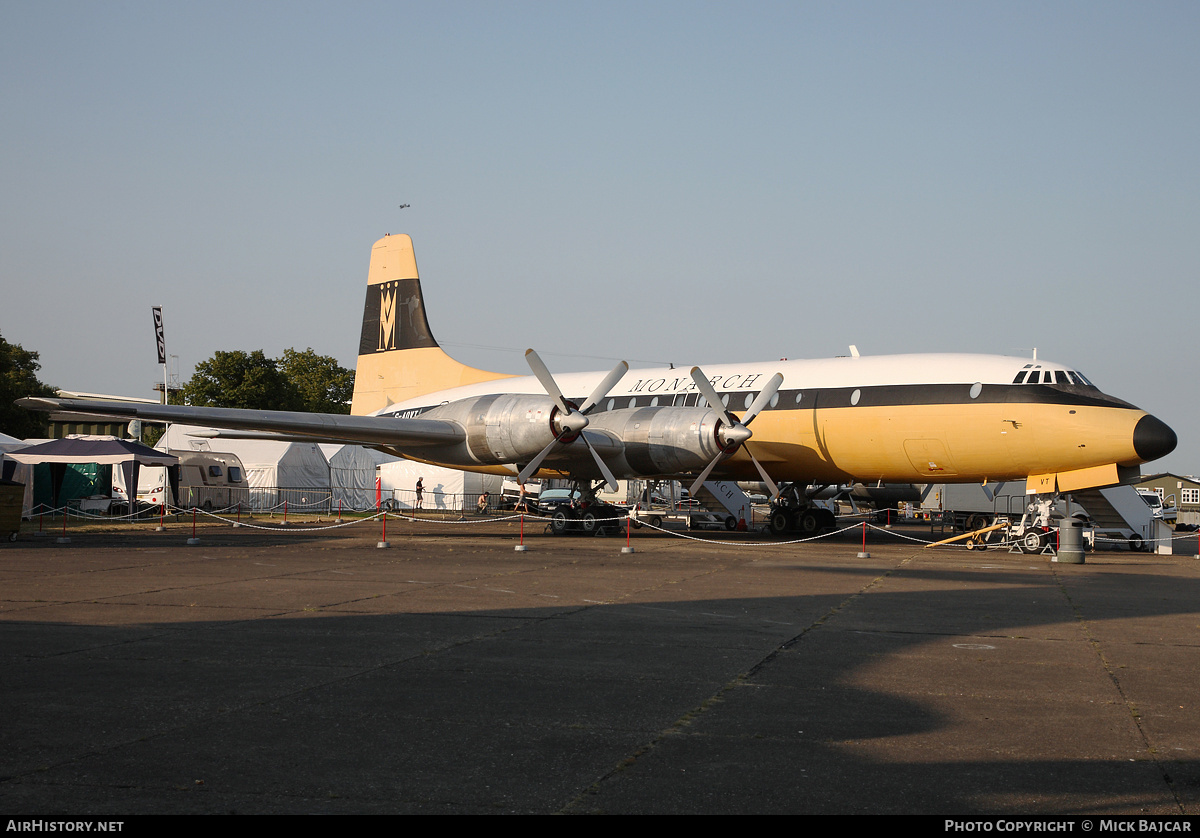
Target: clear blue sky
[[687, 182]]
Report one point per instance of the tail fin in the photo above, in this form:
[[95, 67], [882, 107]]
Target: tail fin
[[398, 359]]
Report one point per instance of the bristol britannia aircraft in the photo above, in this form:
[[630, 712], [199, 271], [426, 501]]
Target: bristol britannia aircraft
[[793, 424]]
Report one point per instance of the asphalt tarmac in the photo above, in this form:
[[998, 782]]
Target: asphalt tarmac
[[268, 671]]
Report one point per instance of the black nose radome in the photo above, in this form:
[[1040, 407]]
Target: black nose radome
[[1153, 439]]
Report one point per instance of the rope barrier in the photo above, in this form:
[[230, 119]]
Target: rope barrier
[[478, 519]]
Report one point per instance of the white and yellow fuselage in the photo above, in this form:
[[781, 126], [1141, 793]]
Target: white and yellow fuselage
[[896, 419]]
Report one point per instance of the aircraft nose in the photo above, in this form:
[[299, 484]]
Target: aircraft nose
[[1152, 438]]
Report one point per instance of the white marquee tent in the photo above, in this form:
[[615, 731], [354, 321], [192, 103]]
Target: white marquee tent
[[276, 471]]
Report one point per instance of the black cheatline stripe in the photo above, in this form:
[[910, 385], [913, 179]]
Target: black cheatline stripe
[[887, 395]]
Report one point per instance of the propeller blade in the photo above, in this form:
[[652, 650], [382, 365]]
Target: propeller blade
[[532, 467], [604, 469], [704, 474], [764, 397], [762, 472], [543, 375], [610, 381], [709, 392]]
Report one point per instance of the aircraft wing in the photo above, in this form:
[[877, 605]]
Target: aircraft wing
[[280, 424]]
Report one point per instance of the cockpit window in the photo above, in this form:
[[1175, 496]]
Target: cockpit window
[[1037, 375]]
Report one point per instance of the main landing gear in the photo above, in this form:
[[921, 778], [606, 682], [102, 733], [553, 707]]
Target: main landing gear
[[585, 515], [792, 512]]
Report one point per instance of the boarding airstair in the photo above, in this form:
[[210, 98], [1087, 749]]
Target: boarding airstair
[[725, 501], [1118, 512]]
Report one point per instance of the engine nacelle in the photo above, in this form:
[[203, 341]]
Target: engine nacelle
[[663, 440], [501, 429], [510, 429]]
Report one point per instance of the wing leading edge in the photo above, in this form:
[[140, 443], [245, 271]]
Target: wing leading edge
[[309, 427]]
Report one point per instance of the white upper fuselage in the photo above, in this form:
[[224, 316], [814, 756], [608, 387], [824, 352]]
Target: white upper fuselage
[[822, 373]]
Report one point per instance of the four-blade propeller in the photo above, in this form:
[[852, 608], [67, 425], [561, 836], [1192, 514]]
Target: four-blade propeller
[[569, 421], [734, 434]]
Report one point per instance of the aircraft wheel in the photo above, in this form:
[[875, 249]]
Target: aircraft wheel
[[779, 522], [1032, 542], [810, 523], [731, 523], [558, 523], [1136, 544]]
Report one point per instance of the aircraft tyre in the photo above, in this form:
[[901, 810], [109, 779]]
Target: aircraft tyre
[[730, 523], [558, 523], [779, 522], [810, 523], [1136, 543], [1032, 542]]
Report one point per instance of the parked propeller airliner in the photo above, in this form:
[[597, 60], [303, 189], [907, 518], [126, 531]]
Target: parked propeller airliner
[[891, 419]]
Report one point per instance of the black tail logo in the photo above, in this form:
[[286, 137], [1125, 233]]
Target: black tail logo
[[394, 318]]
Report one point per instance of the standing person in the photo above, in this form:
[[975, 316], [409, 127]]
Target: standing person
[[420, 491], [521, 506]]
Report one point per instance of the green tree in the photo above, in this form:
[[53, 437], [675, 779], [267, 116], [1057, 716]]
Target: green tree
[[324, 386], [250, 381], [18, 379]]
